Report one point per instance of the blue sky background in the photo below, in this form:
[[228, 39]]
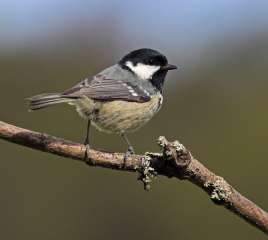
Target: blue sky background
[[168, 22]]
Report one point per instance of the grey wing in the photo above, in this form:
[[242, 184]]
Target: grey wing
[[103, 88]]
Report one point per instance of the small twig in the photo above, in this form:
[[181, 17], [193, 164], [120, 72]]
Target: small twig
[[174, 161]]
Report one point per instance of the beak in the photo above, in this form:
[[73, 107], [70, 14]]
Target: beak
[[169, 67]]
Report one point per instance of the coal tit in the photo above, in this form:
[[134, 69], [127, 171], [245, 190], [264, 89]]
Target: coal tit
[[119, 99]]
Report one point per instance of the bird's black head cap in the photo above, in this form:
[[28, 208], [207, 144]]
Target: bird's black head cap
[[146, 56]]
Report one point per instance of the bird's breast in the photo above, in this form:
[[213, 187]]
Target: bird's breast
[[122, 116]]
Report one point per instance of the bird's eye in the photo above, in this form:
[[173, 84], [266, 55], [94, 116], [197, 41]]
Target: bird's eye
[[151, 61]]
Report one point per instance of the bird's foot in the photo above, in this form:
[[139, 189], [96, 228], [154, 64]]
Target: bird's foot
[[129, 152], [86, 157]]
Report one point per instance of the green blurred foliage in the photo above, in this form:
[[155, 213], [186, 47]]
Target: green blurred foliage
[[216, 106]]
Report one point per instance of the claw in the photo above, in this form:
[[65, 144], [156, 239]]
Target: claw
[[129, 152], [86, 157]]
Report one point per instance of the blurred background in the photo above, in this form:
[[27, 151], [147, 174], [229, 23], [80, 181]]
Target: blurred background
[[216, 104]]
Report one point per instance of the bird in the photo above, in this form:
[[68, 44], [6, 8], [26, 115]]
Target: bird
[[120, 99]]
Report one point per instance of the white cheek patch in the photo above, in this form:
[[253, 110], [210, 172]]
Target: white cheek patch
[[143, 71]]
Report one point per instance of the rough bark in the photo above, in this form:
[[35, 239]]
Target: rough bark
[[174, 161]]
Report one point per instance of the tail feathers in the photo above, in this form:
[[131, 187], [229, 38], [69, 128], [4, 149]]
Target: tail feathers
[[45, 100]]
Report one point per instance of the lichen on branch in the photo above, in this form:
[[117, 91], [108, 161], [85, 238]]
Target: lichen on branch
[[174, 161]]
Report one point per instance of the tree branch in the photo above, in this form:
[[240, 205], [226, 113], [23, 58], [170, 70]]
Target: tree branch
[[174, 161]]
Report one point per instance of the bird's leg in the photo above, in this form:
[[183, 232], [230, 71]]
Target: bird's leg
[[129, 151], [86, 142]]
